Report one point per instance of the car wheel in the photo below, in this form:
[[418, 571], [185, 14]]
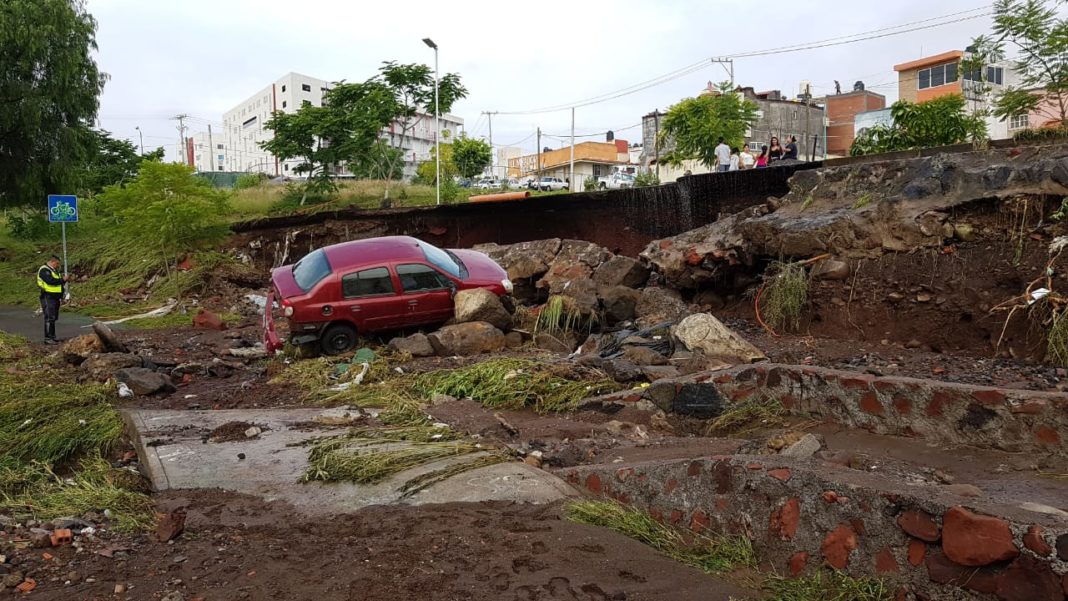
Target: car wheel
[[338, 338], [604, 186]]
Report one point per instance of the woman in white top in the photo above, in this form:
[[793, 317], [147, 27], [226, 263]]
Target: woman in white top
[[734, 160], [746, 158]]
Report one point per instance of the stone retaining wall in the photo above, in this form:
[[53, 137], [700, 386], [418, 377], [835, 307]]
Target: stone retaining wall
[[1000, 418], [935, 547]]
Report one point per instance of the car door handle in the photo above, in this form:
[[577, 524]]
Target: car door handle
[[413, 302], [355, 309]]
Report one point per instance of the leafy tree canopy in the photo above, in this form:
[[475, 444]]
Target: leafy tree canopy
[[939, 122], [427, 170], [471, 156], [695, 125], [111, 161], [49, 89]]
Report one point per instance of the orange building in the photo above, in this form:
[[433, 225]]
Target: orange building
[[591, 159], [930, 77]]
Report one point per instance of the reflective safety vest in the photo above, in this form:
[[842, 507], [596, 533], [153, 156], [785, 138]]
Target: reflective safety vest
[[49, 288]]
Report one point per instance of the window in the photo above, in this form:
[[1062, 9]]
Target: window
[[370, 282], [283, 104], [1020, 121], [416, 278], [305, 87], [218, 146], [995, 75], [310, 270], [283, 87], [938, 75], [249, 122], [222, 158], [440, 259]]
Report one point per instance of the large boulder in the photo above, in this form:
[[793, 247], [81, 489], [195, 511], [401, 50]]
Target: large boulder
[[143, 381], [465, 339], [703, 333], [576, 260], [619, 303], [76, 350], [111, 341], [416, 345], [101, 366], [659, 305], [524, 260], [621, 271], [479, 304], [583, 294]]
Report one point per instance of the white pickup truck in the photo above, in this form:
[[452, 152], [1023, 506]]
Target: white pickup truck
[[615, 181]]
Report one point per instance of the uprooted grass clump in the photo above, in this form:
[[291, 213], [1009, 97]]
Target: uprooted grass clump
[[1057, 339], [94, 486], [561, 314], [751, 413], [826, 585], [785, 294], [707, 553]]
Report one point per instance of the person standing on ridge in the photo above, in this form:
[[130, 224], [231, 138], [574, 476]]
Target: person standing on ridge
[[723, 156], [51, 285]]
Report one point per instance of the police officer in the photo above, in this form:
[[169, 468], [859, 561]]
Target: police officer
[[51, 285]]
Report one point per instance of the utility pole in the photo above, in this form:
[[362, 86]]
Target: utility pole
[[180, 118], [728, 65], [537, 172], [808, 117], [493, 169], [211, 149], [571, 179]]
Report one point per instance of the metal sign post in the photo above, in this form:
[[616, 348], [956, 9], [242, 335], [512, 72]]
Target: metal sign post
[[63, 209]]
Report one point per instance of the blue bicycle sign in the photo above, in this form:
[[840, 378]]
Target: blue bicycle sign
[[62, 208]]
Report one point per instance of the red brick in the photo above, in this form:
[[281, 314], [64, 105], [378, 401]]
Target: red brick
[[940, 399], [657, 514], [784, 520], [694, 468], [722, 504], [632, 398], [829, 496], [782, 474], [699, 521], [940, 569], [885, 563], [593, 484], [692, 258], [1029, 408], [989, 397], [670, 486], [903, 405], [856, 382], [1029, 579], [170, 526], [1033, 540], [725, 378], [788, 401], [1047, 435], [919, 524], [798, 562], [740, 394], [754, 466], [666, 244], [676, 516], [858, 526], [917, 551], [837, 546], [970, 539], [869, 402], [885, 385]]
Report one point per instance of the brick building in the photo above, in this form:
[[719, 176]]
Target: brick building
[[842, 110]]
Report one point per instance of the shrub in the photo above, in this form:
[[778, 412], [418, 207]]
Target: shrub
[[249, 180], [646, 179], [589, 184]]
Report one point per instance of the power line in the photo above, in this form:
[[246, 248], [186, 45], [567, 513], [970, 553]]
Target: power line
[[836, 41]]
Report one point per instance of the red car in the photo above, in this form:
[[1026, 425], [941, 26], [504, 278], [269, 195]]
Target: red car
[[371, 285]]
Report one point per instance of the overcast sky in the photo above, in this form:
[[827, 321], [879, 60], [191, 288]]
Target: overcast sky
[[202, 57]]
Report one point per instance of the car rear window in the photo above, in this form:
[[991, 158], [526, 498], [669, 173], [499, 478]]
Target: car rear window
[[310, 270], [369, 282]]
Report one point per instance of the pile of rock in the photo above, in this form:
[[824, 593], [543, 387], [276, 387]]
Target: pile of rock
[[479, 325]]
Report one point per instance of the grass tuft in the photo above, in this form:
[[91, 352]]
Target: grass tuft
[[710, 554], [826, 585], [1057, 339], [370, 460], [785, 295], [863, 201], [751, 413], [560, 314]]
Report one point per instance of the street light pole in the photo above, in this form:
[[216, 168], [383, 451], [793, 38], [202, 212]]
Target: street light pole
[[142, 138], [437, 123]]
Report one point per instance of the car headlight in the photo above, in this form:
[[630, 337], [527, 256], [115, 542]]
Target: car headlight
[[507, 285]]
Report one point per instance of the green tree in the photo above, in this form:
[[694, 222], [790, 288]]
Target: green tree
[[427, 170], [345, 129], [939, 122], [471, 156], [1035, 29], [49, 89], [111, 161], [168, 211], [691, 129], [412, 85]]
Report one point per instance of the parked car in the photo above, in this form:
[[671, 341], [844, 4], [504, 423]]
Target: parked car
[[488, 184], [616, 181], [551, 183], [514, 184], [337, 292]]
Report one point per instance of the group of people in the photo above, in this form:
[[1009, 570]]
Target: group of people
[[731, 159]]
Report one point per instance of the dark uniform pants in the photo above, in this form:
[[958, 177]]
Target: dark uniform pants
[[50, 307]]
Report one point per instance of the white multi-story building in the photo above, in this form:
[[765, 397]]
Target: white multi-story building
[[207, 151], [244, 127]]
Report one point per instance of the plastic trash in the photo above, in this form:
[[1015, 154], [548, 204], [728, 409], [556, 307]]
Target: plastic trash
[[124, 391], [1037, 295]]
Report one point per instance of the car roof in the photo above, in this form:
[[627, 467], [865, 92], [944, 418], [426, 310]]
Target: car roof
[[373, 250]]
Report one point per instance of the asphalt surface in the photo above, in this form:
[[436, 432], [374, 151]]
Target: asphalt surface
[[27, 321]]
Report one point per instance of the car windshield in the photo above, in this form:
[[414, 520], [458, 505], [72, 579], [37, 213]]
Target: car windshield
[[441, 259], [310, 270]]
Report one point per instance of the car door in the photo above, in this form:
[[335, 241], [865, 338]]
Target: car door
[[426, 292], [370, 300]]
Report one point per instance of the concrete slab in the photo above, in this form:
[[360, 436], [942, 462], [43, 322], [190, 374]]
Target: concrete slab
[[174, 455]]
